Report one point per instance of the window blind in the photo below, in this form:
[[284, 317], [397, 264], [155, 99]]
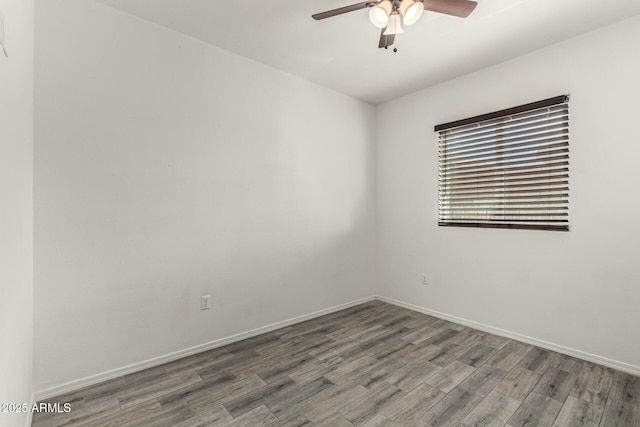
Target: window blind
[[507, 169]]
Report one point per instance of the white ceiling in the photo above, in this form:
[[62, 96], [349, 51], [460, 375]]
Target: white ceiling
[[342, 52]]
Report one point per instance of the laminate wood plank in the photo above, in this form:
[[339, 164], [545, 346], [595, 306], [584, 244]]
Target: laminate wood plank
[[412, 407], [120, 418], [494, 410], [256, 398], [295, 347], [380, 420], [329, 402], [440, 323], [477, 355], [593, 383], [225, 364], [451, 409], [418, 321], [214, 353], [538, 360], [163, 418], [447, 353], [280, 403], [393, 348], [379, 372], [213, 397], [536, 411], [373, 402], [281, 369], [149, 375], [626, 388], [413, 374], [314, 371], [332, 349], [214, 415], [349, 371], [293, 419], [568, 363], [402, 320], [556, 384], [441, 338], [618, 413], [156, 389], [361, 348], [253, 365], [509, 355], [449, 377], [381, 318], [335, 420], [466, 337], [483, 380], [494, 341], [258, 416], [578, 413], [518, 383], [420, 335], [200, 389], [356, 332], [93, 393], [423, 352]]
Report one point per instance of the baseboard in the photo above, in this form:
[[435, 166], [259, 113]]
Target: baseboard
[[615, 364], [150, 363], [29, 418]]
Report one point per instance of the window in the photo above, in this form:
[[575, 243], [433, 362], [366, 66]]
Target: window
[[508, 169]]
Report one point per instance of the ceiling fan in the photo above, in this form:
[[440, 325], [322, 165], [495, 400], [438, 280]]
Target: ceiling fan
[[391, 15]]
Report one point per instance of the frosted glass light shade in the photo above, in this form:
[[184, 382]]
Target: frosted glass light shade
[[394, 26], [379, 15], [411, 11]]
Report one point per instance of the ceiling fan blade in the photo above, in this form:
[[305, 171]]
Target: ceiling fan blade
[[386, 40], [341, 10], [460, 8]]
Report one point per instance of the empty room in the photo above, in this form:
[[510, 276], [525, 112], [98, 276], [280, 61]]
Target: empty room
[[319, 213]]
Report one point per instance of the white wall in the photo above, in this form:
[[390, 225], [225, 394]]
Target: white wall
[[166, 169], [577, 289], [16, 208]]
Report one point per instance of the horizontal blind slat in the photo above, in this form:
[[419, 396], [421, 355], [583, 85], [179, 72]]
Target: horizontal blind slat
[[475, 139], [514, 169]]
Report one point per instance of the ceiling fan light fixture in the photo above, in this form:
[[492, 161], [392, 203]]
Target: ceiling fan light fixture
[[395, 25], [379, 14], [411, 11]]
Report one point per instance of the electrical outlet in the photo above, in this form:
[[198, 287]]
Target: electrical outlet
[[205, 302], [424, 280]]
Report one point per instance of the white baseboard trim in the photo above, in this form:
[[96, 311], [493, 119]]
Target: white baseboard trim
[[29, 419], [615, 364], [150, 363]]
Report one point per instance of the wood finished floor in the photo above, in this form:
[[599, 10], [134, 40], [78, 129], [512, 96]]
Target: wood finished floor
[[375, 364]]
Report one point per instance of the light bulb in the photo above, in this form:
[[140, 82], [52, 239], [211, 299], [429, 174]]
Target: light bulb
[[411, 11], [379, 15]]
